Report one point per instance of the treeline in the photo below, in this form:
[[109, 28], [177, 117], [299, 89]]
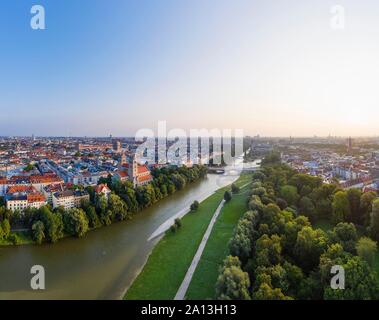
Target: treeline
[[276, 253], [166, 181], [5, 226], [122, 203]]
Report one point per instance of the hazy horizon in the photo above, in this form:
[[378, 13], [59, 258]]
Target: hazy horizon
[[268, 67], [245, 136]]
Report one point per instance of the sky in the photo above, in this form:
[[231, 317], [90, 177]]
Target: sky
[[269, 67]]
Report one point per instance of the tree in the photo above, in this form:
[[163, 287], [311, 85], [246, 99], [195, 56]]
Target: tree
[[58, 226], [294, 277], [346, 235], [14, 238], [305, 183], [178, 222], [256, 204], [272, 157], [322, 198], [227, 196], [174, 228], [281, 203], [232, 283], [259, 175], [290, 232], [75, 222], [178, 180], [129, 196], [310, 244], [235, 188], [266, 292], [118, 207], [307, 208], [324, 208], [6, 228], [268, 250], [259, 191], [52, 222], [241, 243], [104, 214], [374, 220], [341, 207], [38, 234], [195, 205], [354, 196], [93, 219], [366, 249], [360, 283], [366, 207], [289, 194]]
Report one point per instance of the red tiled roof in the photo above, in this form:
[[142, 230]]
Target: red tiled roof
[[45, 179], [100, 188], [15, 189], [369, 189], [122, 174], [142, 169], [145, 178], [54, 187], [35, 197]]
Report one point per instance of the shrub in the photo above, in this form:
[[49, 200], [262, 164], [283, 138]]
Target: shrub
[[173, 228], [195, 205], [235, 188], [178, 223], [14, 238], [227, 196]]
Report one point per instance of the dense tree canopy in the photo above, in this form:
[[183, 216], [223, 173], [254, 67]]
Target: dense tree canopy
[[341, 207], [374, 220], [284, 256]]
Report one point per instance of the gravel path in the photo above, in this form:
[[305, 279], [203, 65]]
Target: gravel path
[[180, 295]]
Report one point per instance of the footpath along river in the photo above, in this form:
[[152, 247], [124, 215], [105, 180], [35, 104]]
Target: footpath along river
[[105, 261]]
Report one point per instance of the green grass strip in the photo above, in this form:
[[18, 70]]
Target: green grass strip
[[167, 265]]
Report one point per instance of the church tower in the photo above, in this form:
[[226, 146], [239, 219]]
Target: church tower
[[133, 170]]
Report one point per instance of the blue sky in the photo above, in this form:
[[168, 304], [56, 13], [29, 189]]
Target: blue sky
[[271, 67]]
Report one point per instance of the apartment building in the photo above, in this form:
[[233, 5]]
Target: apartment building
[[69, 199]]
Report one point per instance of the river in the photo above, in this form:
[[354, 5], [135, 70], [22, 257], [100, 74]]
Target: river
[[103, 263]]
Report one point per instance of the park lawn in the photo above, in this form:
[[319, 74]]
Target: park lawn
[[170, 259], [168, 263], [244, 178], [204, 279]]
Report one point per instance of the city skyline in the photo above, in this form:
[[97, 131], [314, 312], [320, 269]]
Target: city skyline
[[271, 68]]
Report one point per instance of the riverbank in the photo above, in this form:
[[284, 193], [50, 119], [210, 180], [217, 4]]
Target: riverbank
[[23, 238], [168, 263]]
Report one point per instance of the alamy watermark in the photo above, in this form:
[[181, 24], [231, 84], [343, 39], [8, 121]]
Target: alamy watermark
[[338, 280], [37, 22], [37, 282], [199, 146], [338, 17]]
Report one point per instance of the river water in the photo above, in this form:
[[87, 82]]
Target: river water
[[103, 263]]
